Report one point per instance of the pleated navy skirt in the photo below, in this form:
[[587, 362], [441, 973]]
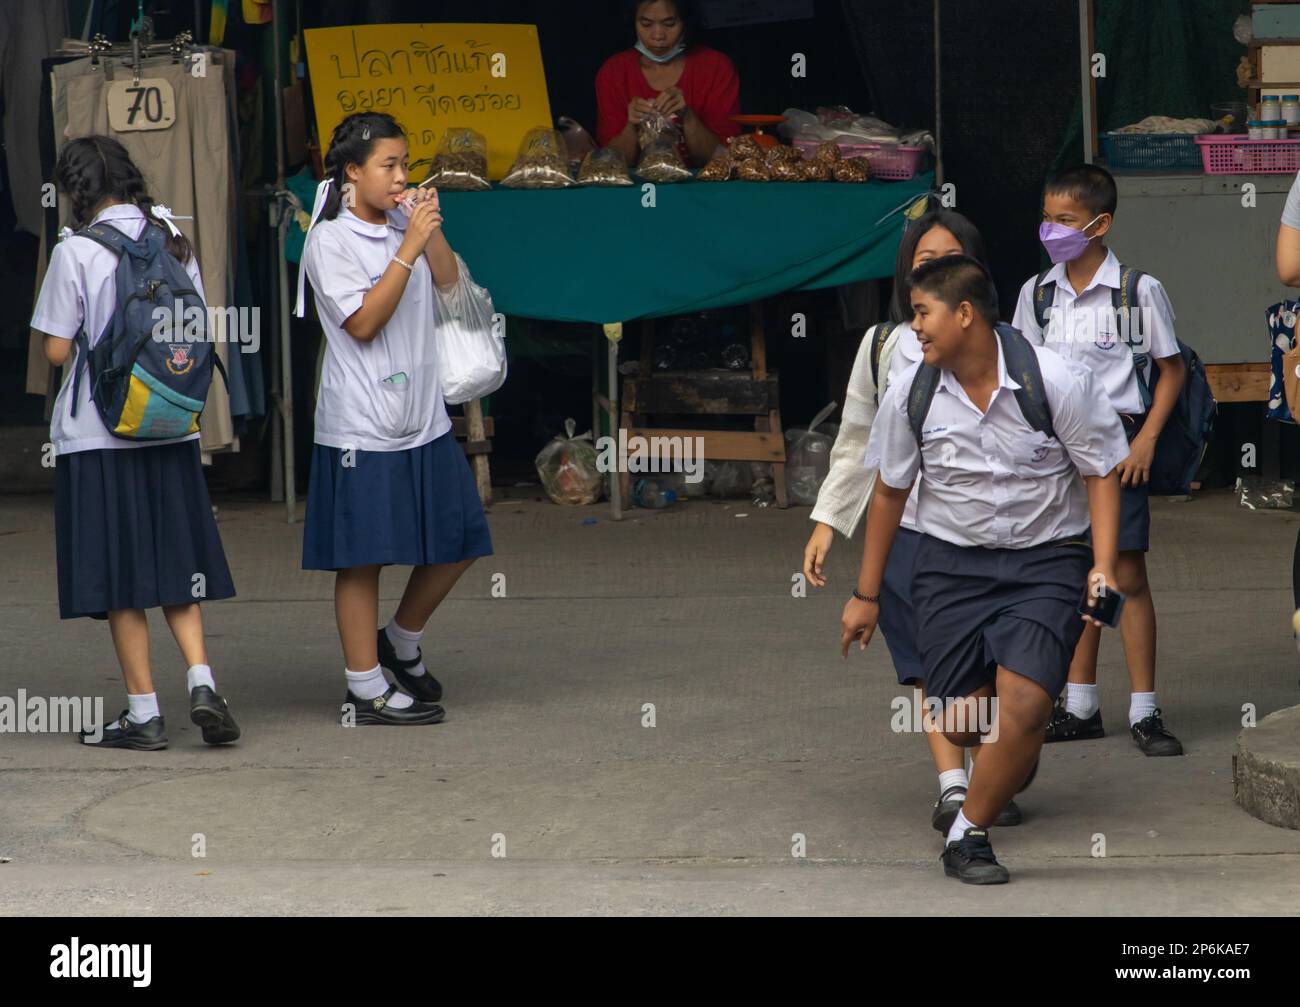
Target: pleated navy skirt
[[134, 529], [399, 508]]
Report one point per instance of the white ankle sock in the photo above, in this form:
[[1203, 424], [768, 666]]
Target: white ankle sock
[[1081, 700], [950, 778], [142, 708], [1140, 704], [372, 684], [406, 645], [959, 826], [199, 674]]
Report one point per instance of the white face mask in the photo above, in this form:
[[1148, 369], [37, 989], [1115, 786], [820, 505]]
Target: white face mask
[[676, 51]]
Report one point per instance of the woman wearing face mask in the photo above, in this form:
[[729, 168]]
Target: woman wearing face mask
[[665, 71], [843, 497]]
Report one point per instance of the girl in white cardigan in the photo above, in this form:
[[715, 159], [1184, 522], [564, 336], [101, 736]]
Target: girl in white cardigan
[[886, 351]]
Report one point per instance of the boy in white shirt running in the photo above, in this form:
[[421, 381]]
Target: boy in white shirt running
[[1000, 432]]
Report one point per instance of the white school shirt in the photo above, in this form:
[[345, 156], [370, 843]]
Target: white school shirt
[[990, 479], [80, 288], [356, 407], [1087, 329]]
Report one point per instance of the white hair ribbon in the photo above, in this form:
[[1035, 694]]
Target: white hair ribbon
[[322, 191], [65, 233], [165, 214]]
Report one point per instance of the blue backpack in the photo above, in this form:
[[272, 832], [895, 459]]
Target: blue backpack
[[1186, 434], [150, 371]]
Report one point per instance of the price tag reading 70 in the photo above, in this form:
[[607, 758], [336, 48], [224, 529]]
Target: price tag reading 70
[[150, 104]]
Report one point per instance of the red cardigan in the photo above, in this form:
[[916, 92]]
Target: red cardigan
[[709, 84]]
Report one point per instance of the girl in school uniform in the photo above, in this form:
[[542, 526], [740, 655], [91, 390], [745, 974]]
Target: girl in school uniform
[[847, 490], [389, 484], [133, 522]]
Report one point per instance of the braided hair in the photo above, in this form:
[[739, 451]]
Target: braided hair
[[92, 169], [353, 142]]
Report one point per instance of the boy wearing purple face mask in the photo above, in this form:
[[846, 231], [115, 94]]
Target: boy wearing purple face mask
[[1078, 296]]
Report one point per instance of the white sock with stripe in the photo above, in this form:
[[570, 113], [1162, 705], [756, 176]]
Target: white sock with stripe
[[952, 778]]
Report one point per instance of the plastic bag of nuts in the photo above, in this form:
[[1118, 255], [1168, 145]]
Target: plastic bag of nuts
[[460, 162], [818, 171], [542, 162], [719, 169], [661, 161], [782, 153], [753, 169], [604, 166], [782, 170], [744, 148], [853, 169], [828, 153]]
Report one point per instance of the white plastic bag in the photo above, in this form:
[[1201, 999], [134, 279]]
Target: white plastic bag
[[471, 352]]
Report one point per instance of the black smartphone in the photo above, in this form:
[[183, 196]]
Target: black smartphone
[[1109, 605]]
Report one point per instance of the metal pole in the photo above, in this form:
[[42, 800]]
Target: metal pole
[[286, 362], [938, 104], [1085, 80]]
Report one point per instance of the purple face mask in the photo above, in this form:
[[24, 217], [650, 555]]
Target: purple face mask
[[1064, 244]]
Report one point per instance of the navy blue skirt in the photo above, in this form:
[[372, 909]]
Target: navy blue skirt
[[134, 529], [403, 508], [896, 618], [978, 608]]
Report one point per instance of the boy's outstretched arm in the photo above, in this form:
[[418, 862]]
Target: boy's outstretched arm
[[1103, 509], [883, 517]]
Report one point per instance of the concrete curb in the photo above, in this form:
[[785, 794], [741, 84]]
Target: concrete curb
[[1266, 769]]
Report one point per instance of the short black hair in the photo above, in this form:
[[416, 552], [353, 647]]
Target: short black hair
[[956, 278], [688, 12], [1088, 184]]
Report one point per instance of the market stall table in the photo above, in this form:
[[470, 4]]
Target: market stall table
[[611, 255]]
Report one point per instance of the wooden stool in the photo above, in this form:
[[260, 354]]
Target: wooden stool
[[476, 432]]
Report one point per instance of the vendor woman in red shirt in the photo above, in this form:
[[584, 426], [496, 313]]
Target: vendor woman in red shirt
[[665, 70]]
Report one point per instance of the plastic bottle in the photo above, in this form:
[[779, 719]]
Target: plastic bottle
[[649, 494], [1291, 109]]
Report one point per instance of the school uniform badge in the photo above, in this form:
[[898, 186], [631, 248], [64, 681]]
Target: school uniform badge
[[180, 360]]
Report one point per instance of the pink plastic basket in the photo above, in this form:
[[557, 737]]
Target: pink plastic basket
[[894, 163], [1233, 154]]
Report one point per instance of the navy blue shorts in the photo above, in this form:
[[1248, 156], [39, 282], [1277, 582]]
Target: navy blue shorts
[[978, 608], [133, 528], [403, 508], [896, 619]]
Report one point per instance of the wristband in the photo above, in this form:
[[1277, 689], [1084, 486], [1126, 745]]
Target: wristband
[[873, 599], [406, 265]]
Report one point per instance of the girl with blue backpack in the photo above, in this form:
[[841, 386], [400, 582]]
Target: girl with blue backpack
[[133, 522]]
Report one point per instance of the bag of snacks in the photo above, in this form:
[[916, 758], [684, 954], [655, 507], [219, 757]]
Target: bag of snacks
[[718, 170], [604, 166], [828, 153], [818, 171], [460, 162], [661, 161], [781, 153], [568, 468], [853, 169], [753, 169], [542, 162], [781, 170], [744, 148]]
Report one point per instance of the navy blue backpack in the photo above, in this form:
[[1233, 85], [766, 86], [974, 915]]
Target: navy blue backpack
[[151, 369]]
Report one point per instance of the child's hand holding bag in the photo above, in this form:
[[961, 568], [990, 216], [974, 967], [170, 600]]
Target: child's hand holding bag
[[471, 349]]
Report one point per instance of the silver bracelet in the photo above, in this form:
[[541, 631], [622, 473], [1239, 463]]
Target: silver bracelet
[[401, 262]]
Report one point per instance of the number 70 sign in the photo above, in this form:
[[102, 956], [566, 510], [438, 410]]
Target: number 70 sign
[[150, 104]]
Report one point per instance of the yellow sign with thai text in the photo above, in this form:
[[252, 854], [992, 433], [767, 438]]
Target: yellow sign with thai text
[[431, 78]]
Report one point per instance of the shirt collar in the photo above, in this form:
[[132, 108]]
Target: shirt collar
[[951, 385], [1107, 275], [119, 211], [396, 221]]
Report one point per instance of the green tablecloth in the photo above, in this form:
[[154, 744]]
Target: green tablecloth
[[599, 255]]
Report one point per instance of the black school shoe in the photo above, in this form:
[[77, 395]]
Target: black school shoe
[[1150, 735], [950, 802], [424, 688], [1065, 726], [126, 733], [377, 711], [212, 714], [971, 859]]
